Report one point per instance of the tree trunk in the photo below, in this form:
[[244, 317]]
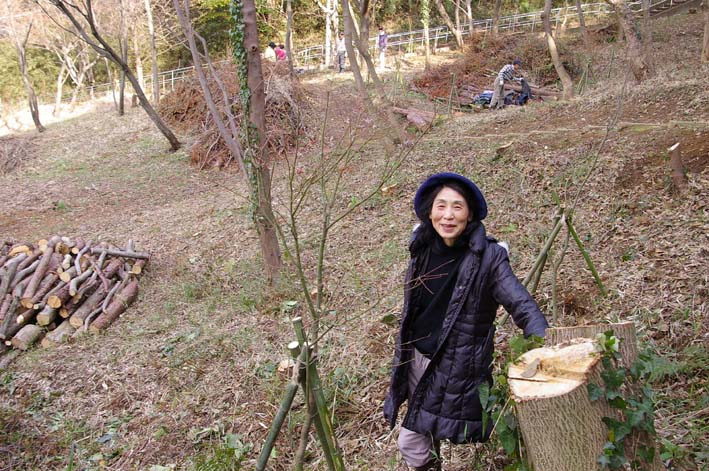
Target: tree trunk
[[705, 48], [123, 47], [447, 20], [561, 426], [153, 53], [289, 36], [582, 25], [456, 16], [640, 64], [496, 18], [138, 60], [61, 78], [625, 332], [261, 178], [20, 47], [348, 26], [469, 10], [566, 82], [327, 9], [426, 20]]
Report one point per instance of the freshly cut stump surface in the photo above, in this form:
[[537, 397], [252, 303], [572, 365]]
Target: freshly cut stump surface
[[561, 427]]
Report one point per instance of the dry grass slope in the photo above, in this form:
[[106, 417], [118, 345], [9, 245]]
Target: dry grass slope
[[196, 356]]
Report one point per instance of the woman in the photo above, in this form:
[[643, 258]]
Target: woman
[[456, 280]]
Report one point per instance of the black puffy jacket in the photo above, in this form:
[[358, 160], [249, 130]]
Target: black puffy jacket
[[445, 403]]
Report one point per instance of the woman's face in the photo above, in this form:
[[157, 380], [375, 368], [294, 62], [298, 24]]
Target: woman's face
[[450, 215]]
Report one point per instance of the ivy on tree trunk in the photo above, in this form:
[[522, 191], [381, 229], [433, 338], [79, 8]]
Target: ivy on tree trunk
[[256, 158]]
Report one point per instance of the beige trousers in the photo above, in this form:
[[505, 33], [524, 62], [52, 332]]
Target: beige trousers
[[416, 448]]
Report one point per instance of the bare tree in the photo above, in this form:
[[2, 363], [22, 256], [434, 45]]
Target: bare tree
[[566, 82], [496, 18], [447, 20], [252, 155], [705, 48], [153, 52], [289, 36], [123, 50], [640, 64], [329, 9], [582, 25], [81, 16], [426, 20], [18, 27]]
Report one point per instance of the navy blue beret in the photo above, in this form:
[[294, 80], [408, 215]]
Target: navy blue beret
[[480, 209]]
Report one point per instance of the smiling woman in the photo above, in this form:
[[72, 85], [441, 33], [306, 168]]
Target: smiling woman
[[456, 280]]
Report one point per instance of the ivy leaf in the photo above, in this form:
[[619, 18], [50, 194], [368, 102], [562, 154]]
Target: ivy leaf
[[603, 461], [634, 417], [647, 453], [595, 392], [508, 439], [613, 379]]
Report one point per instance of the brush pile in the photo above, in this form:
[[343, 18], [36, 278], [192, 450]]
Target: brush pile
[[483, 58], [63, 287], [14, 150], [186, 109]]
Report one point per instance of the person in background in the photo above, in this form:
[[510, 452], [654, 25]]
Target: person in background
[[506, 74], [382, 46], [341, 53], [270, 53], [281, 52], [457, 278]]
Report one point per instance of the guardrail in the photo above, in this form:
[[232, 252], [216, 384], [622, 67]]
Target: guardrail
[[313, 56]]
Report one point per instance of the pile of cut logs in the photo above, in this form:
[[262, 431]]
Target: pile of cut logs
[[62, 287]]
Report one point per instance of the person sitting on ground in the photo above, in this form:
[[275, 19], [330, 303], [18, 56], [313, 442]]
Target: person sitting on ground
[[507, 74], [456, 280], [281, 52], [270, 53]]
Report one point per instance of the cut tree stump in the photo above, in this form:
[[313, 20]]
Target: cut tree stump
[[679, 179], [561, 426], [27, 336]]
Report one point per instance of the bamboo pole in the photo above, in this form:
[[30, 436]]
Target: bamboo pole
[[321, 416], [586, 257], [286, 402], [541, 259]]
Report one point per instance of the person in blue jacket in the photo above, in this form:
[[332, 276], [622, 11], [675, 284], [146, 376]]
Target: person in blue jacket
[[456, 280]]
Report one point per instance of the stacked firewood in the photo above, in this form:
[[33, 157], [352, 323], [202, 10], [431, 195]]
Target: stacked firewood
[[62, 287]]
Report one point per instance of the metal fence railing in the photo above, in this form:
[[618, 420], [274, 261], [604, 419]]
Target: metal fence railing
[[409, 41]]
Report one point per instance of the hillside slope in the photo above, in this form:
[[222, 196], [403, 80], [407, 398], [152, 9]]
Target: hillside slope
[[195, 359]]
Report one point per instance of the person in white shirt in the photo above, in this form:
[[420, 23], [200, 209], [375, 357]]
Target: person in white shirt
[[341, 53]]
